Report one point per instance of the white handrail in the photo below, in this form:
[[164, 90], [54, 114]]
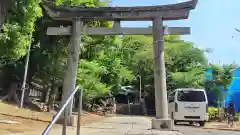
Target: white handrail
[[49, 127]]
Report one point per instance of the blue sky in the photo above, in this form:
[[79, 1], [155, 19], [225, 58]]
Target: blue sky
[[212, 26]]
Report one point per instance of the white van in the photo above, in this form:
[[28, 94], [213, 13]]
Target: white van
[[188, 105]]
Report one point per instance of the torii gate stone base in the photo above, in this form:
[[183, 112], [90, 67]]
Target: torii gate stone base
[[156, 14]]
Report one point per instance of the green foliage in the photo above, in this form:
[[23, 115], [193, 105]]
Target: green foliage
[[17, 31], [107, 62], [115, 74], [185, 63], [183, 56], [238, 116], [213, 113], [193, 78], [222, 76], [88, 3], [89, 75]]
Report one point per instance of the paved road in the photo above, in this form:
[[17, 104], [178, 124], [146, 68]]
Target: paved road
[[120, 125], [191, 130], [124, 125]]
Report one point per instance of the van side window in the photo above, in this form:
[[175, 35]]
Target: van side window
[[171, 97]]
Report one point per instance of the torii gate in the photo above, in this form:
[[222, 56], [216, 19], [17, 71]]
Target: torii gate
[[156, 14]]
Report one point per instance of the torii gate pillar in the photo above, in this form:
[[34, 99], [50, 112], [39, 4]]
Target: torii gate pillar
[[72, 66], [162, 120]]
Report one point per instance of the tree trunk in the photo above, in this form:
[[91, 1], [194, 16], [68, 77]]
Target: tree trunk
[[26, 95], [47, 95], [45, 90], [12, 95], [218, 103], [43, 97], [52, 96]]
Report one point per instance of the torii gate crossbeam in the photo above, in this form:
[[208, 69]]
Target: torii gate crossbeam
[[156, 14]]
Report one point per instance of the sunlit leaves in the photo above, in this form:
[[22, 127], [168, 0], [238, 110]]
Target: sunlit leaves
[[17, 31], [185, 63], [88, 76]]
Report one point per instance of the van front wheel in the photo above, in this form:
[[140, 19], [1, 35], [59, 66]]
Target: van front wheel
[[202, 123]]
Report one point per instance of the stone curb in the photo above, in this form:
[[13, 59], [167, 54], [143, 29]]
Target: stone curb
[[224, 129]]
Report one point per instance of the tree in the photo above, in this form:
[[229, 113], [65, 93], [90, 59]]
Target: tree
[[222, 77], [99, 71], [15, 37], [4, 7], [104, 70], [17, 31], [185, 63]]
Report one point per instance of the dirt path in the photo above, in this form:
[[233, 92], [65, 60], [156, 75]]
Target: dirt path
[[28, 120]]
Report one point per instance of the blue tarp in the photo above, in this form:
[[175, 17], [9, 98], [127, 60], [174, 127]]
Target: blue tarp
[[210, 94], [233, 93], [212, 98], [209, 75]]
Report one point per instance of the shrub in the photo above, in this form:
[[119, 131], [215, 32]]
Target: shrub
[[213, 113], [238, 117]]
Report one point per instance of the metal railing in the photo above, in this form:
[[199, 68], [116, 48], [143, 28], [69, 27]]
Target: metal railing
[[49, 127]]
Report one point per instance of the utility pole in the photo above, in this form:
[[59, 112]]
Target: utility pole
[[140, 87], [25, 76]]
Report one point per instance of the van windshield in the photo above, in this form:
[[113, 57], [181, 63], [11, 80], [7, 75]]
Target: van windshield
[[191, 96]]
